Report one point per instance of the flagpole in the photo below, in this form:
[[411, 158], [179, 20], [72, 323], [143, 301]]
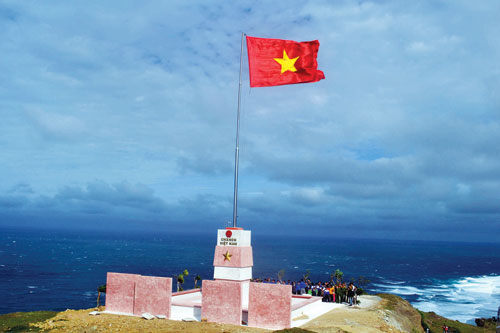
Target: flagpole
[[237, 150]]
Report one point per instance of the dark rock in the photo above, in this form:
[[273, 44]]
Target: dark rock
[[480, 322]]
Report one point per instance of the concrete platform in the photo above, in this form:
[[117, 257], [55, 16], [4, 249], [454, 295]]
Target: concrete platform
[[303, 311], [186, 306]]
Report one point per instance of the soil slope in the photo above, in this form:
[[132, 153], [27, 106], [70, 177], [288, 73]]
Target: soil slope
[[382, 313], [373, 314]]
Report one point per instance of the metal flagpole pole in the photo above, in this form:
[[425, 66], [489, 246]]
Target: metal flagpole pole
[[237, 151]]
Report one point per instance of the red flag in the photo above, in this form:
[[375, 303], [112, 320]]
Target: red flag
[[275, 62]]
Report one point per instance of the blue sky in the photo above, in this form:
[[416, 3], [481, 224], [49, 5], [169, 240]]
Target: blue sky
[[122, 114]]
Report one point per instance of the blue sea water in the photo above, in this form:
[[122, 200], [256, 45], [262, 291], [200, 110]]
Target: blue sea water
[[56, 270]]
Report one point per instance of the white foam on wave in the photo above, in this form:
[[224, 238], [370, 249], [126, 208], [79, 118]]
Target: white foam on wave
[[395, 282], [462, 299], [398, 289]]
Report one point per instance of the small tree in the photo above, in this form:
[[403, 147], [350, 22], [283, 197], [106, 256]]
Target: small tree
[[180, 279], [196, 279], [281, 274], [306, 274], [100, 289], [362, 281], [339, 275]]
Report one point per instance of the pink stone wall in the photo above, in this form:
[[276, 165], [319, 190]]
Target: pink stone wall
[[120, 292], [270, 306], [136, 294], [221, 301], [241, 256], [153, 295]]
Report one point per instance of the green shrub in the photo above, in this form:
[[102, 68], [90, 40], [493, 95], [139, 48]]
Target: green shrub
[[20, 321], [340, 293], [180, 279], [339, 275]]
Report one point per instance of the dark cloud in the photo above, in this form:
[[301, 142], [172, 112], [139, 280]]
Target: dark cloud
[[401, 139], [8, 202], [100, 197], [20, 188]]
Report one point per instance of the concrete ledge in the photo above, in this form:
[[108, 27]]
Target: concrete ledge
[[232, 273], [305, 302], [189, 298], [184, 292], [305, 314]]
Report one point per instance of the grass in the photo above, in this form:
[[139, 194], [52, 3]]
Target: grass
[[432, 320], [408, 316], [392, 301], [20, 321], [435, 323]]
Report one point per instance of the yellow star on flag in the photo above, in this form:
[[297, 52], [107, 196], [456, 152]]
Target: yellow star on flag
[[227, 256], [286, 63]]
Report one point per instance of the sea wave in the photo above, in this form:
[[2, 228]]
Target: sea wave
[[461, 299]]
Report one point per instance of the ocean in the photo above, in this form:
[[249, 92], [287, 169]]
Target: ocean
[[56, 270]]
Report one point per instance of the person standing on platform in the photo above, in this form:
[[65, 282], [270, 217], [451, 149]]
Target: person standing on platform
[[332, 293], [350, 294], [326, 294], [302, 287]]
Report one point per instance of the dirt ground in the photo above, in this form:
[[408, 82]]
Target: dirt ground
[[370, 316], [79, 321]]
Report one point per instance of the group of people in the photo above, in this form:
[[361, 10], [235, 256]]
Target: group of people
[[328, 291]]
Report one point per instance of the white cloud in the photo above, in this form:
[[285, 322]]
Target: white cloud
[[418, 47], [147, 94], [57, 125]]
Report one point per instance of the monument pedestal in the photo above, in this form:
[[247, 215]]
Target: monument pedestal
[[233, 262], [230, 298], [233, 258]]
